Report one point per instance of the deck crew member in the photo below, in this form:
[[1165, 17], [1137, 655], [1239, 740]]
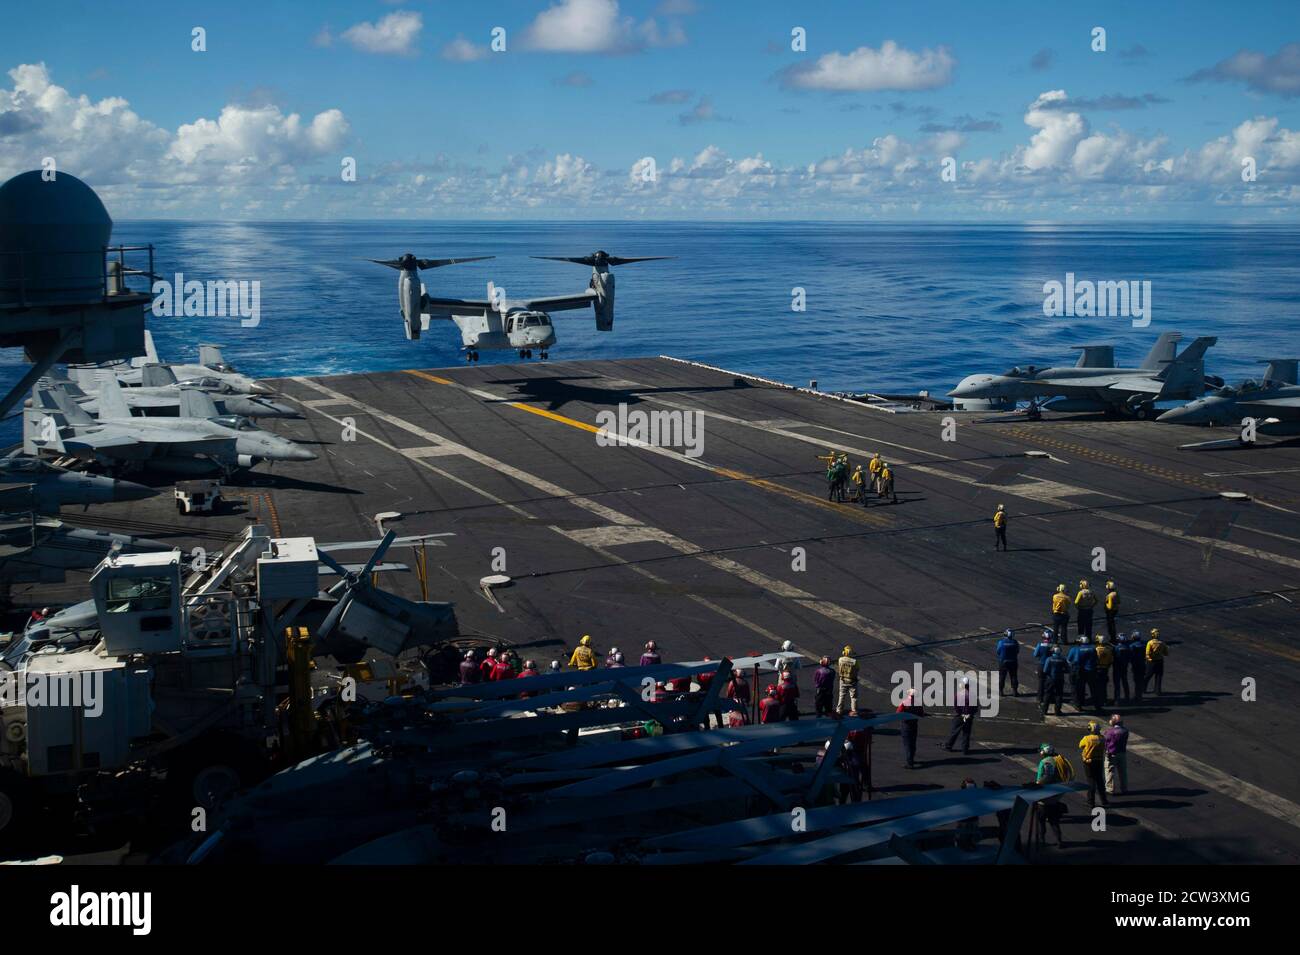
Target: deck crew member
[[963, 717], [873, 470], [1112, 609], [583, 657], [859, 485], [824, 688], [1119, 669], [738, 689], [530, 669], [1000, 527], [469, 669], [1083, 666], [769, 708], [788, 694], [886, 482], [1137, 661], [1008, 651], [650, 657], [1093, 749], [505, 667], [1155, 654], [1054, 677], [1042, 653], [846, 668], [1105, 659], [1084, 602], [1116, 737], [909, 728], [1060, 614], [485, 668], [1052, 768], [842, 478]]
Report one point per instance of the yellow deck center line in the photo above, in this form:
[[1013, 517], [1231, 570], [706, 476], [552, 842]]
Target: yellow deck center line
[[571, 422], [428, 377]]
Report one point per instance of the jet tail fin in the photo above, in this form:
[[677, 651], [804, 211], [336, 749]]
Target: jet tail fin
[[210, 356], [150, 352], [1282, 371], [45, 417], [112, 403], [197, 404], [1184, 377], [157, 376], [1162, 352]]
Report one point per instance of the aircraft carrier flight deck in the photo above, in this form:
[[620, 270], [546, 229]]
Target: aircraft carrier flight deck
[[735, 549]]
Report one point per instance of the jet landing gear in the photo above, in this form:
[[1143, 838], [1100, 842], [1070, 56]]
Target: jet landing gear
[[471, 354], [528, 353]]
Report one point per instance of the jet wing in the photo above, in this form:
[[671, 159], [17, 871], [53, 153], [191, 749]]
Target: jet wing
[[113, 439], [561, 303], [1267, 404], [1138, 385]]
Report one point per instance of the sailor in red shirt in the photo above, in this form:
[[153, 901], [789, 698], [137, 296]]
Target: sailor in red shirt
[[530, 669], [486, 667], [505, 667], [769, 709]]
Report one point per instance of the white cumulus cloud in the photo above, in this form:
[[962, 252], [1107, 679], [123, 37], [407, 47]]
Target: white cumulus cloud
[[891, 67], [393, 34]]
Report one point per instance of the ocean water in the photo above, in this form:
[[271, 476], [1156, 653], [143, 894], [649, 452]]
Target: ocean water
[[888, 307]]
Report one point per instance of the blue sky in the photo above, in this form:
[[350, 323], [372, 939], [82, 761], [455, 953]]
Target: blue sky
[[738, 125]]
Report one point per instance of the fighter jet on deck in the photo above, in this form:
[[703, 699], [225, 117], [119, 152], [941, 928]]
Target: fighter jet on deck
[[1093, 384], [198, 441], [1272, 404], [159, 394], [28, 483], [210, 365]]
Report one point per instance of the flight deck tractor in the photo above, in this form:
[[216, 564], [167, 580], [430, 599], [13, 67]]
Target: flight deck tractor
[[198, 497]]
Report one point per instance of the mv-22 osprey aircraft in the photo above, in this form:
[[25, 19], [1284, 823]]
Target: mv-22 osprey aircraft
[[498, 323]]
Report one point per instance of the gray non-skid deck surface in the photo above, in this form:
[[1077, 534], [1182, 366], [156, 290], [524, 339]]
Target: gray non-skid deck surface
[[629, 544]]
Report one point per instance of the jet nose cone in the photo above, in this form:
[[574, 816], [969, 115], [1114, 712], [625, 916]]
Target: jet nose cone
[[260, 389], [299, 453], [130, 491], [1193, 413]]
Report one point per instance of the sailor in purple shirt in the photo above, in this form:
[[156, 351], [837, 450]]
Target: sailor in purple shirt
[[651, 656], [1116, 738], [824, 688], [469, 669]]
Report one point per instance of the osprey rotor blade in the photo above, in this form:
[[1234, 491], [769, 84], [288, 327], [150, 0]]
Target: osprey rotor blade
[[439, 263], [378, 555], [600, 258], [409, 261]]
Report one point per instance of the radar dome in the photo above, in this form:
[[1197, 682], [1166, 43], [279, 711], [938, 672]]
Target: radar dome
[[52, 238]]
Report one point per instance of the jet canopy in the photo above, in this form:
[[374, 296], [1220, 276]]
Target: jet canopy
[[235, 422]]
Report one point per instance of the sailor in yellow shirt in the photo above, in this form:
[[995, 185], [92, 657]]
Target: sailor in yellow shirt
[[885, 479], [1084, 602], [1112, 609], [1093, 748], [873, 468], [1000, 527], [1155, 654], [1060, 614], [860, 484], [584, 658]]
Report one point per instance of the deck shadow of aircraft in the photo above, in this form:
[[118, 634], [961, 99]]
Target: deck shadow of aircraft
[[559, 391], [281, 482]]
